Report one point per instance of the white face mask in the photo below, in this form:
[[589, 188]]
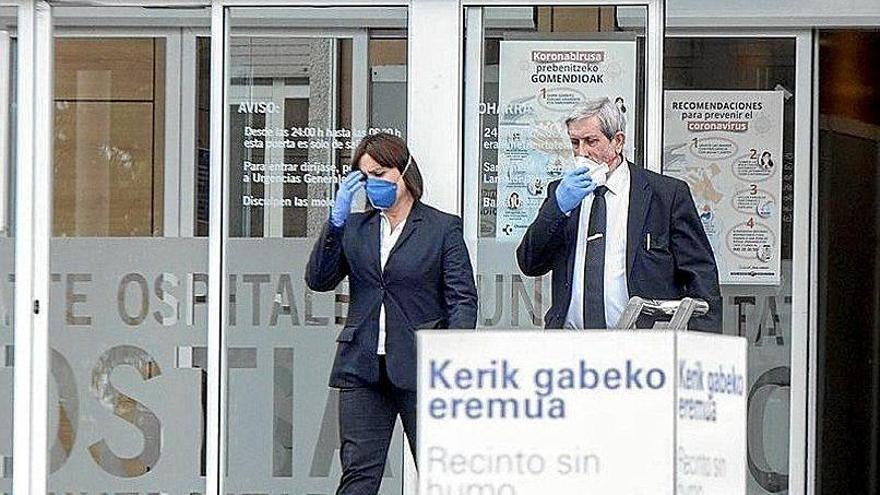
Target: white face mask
[[598, 172]]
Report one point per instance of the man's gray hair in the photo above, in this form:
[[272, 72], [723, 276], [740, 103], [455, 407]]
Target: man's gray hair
[[611, 119]]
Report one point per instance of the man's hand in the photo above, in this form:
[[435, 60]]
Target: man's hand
[[576, 184], [342, 207]]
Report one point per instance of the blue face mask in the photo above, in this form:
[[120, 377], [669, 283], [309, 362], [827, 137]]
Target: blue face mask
[[383, 193]]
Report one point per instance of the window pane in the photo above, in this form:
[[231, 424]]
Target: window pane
[[745, 69], [299, 100], [128, 308], [539, 65]]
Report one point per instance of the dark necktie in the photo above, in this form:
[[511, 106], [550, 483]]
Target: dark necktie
[[594, 267]]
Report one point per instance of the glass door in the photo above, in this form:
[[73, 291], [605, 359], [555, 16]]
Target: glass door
[[127, 313], [303, 87], [769, 309]]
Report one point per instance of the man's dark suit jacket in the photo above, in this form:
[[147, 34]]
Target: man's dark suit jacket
[[428, 282], [678, 264]]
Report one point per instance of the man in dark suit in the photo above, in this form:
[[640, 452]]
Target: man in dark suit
[[611, 233]]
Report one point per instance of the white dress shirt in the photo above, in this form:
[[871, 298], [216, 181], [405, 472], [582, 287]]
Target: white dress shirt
[[387, 239], [616, 292]]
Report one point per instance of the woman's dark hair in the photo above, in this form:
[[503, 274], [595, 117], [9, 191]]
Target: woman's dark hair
[[390, 151]]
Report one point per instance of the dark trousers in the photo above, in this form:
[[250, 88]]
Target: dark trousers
[[366, 422]]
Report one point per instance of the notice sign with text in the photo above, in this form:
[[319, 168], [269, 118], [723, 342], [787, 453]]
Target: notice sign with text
[[581, 412], [540, 83], [727, 145]]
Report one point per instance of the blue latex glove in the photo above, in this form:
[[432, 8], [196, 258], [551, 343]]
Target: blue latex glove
[[575, 185], [342, 207]]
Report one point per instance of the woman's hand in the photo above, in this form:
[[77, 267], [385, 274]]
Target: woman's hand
[[344, 196]]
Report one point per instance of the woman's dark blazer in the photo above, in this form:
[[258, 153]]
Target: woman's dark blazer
[[428, 282]]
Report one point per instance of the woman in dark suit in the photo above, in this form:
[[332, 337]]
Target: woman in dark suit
[[408, 269]]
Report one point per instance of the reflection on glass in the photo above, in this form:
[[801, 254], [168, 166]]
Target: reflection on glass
[[295, 118], [7, 233], [111, 84], [127, 308]]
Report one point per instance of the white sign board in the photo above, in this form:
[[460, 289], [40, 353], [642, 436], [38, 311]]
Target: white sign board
[[528, 412], [540, 84], [711, 382], [727, 145]]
